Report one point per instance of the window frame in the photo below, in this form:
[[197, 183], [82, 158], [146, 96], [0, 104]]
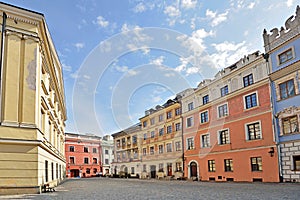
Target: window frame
[[287, 89], [205, 99], [228, 165], [207, 116], [290, 124], [284, 52], [192, 122], [190, 106], [248, 80], [224, 90], [205, 140], [188, 147], [247, 133], [220, 140], [225, 114], [256, 164], [251, 103], [211, 165], [169, 147]]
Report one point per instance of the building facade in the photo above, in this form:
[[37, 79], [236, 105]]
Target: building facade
[[161, 141], [107, 145], [227, 125], [127, 152], [32, 104], [83, 155], [282, 48]]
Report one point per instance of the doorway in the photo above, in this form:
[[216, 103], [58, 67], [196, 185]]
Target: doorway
[[193, 170], [153, 171], [169, 168]]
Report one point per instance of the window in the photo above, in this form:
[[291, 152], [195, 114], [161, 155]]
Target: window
[[169, 129], [211, 166], [160, 118], [123, 142], [169, 147], [177, 111], [228, 165], [189, 122], [205, 140], [160, 167], [72, 160], [46, 170], [169, 114], [94, 160], [86, 160], [287, 89], [94, 150], [248, 80], [123, 155], [152, 121], [178, 146], [85, 149], [106, 151], [144, 167], [205, 99], [178, 167], [88, 171], [250, 101], [144, 151], [296, 162], [106, 161], [190, 106], [118, 143], [290, 125], [145, 124], [132, 170], [160, 149], [224, 90], [134, 139], [52, 171], [224, 137], [95, 170], [161, 131], [71, 148], [145, 136], [222, 110], [285, 56], [152, 150], [253, 131], [204, 117], [190, 143], [152, 134], [256, 164], [178, 126]]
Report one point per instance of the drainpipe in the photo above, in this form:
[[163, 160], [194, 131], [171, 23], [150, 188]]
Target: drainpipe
[[2, 60], [274, 118], [182, 139]]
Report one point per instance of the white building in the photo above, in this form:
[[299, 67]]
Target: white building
[[107, 154]]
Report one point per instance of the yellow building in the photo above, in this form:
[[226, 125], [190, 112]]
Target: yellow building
[[161, 144], [32, 104]]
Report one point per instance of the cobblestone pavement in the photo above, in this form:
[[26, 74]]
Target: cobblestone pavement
[[123, 189]]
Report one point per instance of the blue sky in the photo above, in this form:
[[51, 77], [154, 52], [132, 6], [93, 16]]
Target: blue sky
[[122, 57]]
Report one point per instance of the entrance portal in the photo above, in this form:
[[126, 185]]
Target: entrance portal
[[153, 171], [193, 170]]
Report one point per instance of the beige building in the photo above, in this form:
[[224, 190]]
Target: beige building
[[127, 152], [32, 104]]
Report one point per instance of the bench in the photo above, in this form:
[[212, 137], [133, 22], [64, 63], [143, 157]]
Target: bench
[[48, 188]]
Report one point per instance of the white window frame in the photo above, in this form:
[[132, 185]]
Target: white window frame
[[207, 116], [283, 51], [191, 106], [192, 124], [227, 114], [202, 142], [219, 133], [246, 130], [187, 146], [244, 100]]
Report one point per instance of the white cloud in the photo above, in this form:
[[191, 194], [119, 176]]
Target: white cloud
[[188, 4], [192, 70], [182, 67], [251, 5], [79, 45], [66, 68], [121, 68], [125, 69], [139, 8], [158, 61], [290, 3], [216, 18], [102, 22], [172, 11], [74, 75], [228, 53], [156, 99]]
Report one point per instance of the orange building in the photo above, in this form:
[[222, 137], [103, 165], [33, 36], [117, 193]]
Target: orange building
[[83, 155], [227, 125]]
